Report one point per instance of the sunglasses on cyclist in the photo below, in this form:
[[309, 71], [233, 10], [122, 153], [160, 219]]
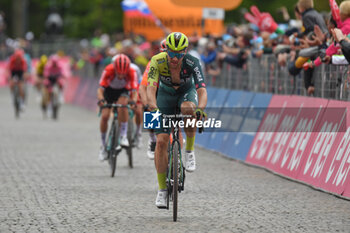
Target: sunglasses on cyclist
[[173, 54]]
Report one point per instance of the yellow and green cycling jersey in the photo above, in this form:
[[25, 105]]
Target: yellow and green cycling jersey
[[191, 73], [169, 98]]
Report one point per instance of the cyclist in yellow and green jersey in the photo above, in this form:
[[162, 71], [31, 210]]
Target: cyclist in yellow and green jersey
[[181, 84]]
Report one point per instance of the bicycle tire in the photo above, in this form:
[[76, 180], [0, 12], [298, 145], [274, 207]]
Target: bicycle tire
[[175, 171], [16, 100], [112, 157], [130, 136], [54, 101]]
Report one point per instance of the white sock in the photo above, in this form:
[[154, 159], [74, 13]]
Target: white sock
[[123, 129], [139, 129], [152, 136]]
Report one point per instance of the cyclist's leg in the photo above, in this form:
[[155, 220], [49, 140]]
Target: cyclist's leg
[[21, 84], [161, 159], [188, 102], [105, 114], [11, 81], [45, 97], [138, 121], [122, 96], [166, 103]]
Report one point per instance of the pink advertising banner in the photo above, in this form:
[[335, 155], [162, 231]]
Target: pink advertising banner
[[268, 126], [328, 162]]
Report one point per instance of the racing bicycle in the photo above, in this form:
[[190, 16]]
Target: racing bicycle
[[113, 147], [176, 173]]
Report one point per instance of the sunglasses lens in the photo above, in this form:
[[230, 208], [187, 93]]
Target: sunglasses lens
[[177, 55]]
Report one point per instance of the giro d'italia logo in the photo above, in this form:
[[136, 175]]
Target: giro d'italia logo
[[151, 120]]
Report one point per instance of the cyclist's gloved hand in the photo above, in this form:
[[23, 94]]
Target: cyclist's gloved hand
[[101, 102], [132, 103], [155, 110], [199, 113], [146, 108]]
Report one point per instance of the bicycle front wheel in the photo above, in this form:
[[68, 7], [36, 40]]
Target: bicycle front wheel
[[175, 173], [16, 100], [131, 141], [112, 156]]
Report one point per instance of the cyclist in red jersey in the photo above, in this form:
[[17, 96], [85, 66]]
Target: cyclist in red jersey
[[17, 66], [117, 80]]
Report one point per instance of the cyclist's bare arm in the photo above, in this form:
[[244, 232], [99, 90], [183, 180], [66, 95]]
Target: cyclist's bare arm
[[202, 97], [133, 96], [152, 82], [143, 94], [100, 92], [151, 97]]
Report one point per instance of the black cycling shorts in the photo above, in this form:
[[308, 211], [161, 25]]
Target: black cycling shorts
[[18, 74], [112, 95]]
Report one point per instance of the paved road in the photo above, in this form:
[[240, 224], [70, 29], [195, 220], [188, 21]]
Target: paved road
[[51, 181]]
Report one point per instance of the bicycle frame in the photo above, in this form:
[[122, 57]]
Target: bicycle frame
[[112, 146], [176, 173], [175, 135]]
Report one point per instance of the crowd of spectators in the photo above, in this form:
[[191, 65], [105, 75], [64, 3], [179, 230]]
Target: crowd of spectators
[[300, 43]]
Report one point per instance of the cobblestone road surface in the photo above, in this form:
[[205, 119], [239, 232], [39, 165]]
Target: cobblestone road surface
[[52, 181]]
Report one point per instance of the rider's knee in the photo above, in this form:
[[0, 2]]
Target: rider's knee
[[104, 117], [187, 108], [162, 141], [123, 100]]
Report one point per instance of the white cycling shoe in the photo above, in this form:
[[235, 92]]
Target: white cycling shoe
[[161, 201], [103, 154], [150, 150], [124, 141], [190, 161], [138, 141]]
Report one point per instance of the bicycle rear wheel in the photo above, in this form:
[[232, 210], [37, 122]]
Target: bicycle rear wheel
[[175, 173]]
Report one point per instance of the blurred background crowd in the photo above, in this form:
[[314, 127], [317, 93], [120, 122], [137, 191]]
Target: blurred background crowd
[[296, 53]]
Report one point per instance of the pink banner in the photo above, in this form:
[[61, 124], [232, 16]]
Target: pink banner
[[282, 149], [268, 126], [3, 73], [71, 88], [328, 162], [297, 131]]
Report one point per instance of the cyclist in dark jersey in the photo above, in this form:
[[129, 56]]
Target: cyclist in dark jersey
[[181, 84]]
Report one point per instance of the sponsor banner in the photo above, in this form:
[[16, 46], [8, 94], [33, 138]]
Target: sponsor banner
[[233, 115], [226, 4], [215, 137], [286, 133], [327, 162], [201, 139], [296, 131], [238, 144], [183, 19], [3, 73], [82, 92], [268, 126], [70, 89]]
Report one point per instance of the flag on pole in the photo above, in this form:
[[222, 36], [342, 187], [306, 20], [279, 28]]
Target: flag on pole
[[136, 8]]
